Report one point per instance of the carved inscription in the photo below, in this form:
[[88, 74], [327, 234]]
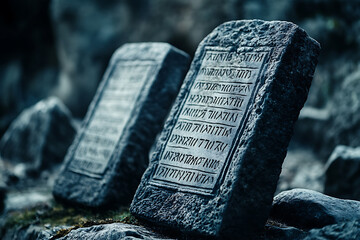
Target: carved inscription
[[110, 116], [202, 138]]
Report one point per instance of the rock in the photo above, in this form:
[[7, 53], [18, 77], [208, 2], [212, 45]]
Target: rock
[[344, 231], [109, 155], [302, 168], [344, 126], [343, 173], [283, 233], [38, 139], [307, 209], [215, 168], [31, 232], [113, 231]]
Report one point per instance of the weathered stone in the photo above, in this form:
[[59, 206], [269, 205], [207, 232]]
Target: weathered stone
[[215, 168], [109, 155], [30, 232], [343, 173], [39, 138], [283, 233], [307, 209], [344, 231], [113, 231]]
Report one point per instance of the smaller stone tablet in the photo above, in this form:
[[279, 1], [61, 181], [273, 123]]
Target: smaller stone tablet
[[110, 152], [217, 162]]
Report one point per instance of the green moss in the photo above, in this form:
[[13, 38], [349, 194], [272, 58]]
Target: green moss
[[59, 215]]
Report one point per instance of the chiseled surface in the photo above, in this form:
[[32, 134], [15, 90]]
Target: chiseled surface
[[231, 198], [104, 165]]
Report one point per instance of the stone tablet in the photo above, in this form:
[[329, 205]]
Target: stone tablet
[[110, 153], [218, 159]]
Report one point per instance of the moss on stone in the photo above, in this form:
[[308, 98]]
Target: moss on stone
[[59, 215]]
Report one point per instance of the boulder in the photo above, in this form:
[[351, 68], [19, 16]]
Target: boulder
[[113, 231], [344, 231], [307, 209], [283, 233], [38, 138], [30, 232], [343, 173]]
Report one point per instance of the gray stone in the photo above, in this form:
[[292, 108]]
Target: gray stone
[[283, 233], [39, 138], [344, 125], [344, 231], [215, 168], [30, 232], [110, 153], [307, 209], [343, 173], [113, 231]]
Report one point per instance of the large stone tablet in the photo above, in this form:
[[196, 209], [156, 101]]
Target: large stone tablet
[[110, 153], [218, 159]]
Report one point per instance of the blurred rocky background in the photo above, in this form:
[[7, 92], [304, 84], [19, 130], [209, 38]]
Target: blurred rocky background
[[60, 49]]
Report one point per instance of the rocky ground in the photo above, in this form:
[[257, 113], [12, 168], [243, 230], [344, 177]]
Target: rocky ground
[[50, 48]]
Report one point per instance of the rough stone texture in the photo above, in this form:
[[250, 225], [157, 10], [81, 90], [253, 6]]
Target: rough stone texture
[[240, 202], [344, 231], [343, 173], [113, 231], [109, 155], [32, 232], [307, 209], [283, 233], [39, 138]]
